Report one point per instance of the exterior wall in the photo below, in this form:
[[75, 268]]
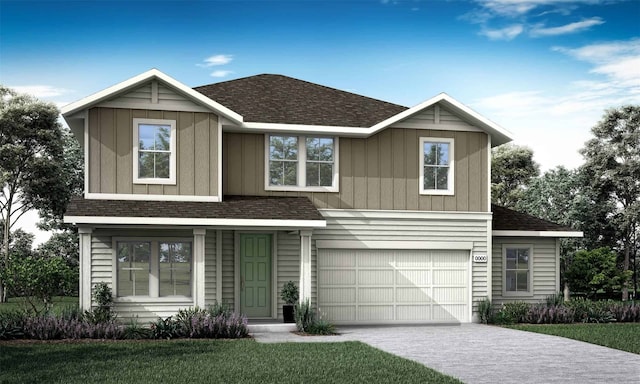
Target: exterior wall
[[359, 225], [545, 278], [210, 247], [111, 152], [103, 270], [378, 172]]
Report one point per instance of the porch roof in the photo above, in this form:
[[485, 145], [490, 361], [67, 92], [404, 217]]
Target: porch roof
[[507, 222], [233, 210]]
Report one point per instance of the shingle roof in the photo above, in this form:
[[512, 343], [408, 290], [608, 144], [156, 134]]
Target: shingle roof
[[232, 207], [280, 99], [505, 219]]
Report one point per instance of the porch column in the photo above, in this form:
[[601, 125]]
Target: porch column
[[198, 266], [84, 289], [305, 265]]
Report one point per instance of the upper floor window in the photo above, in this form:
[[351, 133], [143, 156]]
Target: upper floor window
[[301, 163], [517, 269], [436, 166], [154, 151]]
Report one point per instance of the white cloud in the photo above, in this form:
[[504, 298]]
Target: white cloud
[[579, 26], [215, 60], [507, 33], [221, 73], [40, 91], [515, 8]]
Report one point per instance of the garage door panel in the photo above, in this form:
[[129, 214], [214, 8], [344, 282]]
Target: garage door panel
[[375, 312], [336, 259], [412, 259], [375, 295], [337, 295], [375, 277], [413, 312], [449, 277], [449, 294], [413, 278], [369, 286], [413, 295], [378, 259], [337, 277]]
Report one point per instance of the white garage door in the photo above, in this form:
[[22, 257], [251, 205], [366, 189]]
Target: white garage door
[[386, 286]]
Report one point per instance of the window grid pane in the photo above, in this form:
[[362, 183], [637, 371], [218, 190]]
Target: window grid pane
[[517, 270], [283, 160], [133, 268], [319, 165], [436, 166], [175, 269], [154, 151]]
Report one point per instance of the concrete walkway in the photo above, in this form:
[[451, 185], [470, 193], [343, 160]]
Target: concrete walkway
[[477, 353]]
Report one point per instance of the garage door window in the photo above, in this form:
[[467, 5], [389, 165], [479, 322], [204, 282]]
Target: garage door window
[[517, 269]]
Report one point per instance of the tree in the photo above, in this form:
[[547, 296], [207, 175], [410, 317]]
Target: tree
[[612, 165], [512, 170], [62, 244], [32, 163], [595, 270]]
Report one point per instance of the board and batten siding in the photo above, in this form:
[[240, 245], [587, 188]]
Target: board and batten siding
[[103, 270], [545, 277], [357, 226], [111, 152], [378, 172]]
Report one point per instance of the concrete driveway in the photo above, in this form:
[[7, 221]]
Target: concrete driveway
[[477, 353]]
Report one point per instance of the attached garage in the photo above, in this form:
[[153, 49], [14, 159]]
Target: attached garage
[[358, 286]]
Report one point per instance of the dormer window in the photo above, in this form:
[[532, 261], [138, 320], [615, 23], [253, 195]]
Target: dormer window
[[301, 163], [436, 166], [154, 151]]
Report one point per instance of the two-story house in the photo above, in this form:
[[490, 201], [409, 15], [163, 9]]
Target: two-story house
[[381, 213]]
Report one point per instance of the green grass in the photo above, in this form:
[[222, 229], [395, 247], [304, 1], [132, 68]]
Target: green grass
[[623, 336], [207, 361], [20, 304]]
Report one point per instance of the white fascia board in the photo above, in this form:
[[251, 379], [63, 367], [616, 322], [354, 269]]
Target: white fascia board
[[258, 223], [390, 244], [504, 233], [498, 134], [140, 197], [407, 215], [151, 74]]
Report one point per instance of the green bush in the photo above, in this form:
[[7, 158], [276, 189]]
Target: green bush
[[555, 299], [102, 313], [289, 293], [136, 331], [549, 314], [510, 313], [485, 311], [308, 322]]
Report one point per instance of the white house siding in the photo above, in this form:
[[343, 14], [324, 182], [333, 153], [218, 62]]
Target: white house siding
[[210, 267], [228, 261], [544, 264], [288, 249], [103, 270], [399, 226]]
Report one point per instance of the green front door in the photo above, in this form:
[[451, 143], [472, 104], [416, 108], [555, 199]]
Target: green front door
[[255, 275]]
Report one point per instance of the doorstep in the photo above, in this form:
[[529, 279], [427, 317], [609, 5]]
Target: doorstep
[[271, 327]]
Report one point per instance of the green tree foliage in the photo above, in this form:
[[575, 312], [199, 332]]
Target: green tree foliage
[[39, 279], [591, 271], [612, 169], [33, 170], [512, 170], [61, 244]]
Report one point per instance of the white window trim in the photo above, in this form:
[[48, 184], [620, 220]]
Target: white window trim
[[451, 178], [302, 165], [172, 146], [154, 266], [506, 293]]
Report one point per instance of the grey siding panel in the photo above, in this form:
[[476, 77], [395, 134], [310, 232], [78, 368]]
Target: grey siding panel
[[379, 172], [228, 265], [103, 270], [543, 265], [210, 267], [450, 230], [288, 248], [111, 149]]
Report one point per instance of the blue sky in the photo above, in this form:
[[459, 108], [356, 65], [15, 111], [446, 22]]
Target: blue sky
[[543, 69]]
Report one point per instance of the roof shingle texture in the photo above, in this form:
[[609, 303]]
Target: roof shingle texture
[[280, 99], [505, 219], [232, 207]]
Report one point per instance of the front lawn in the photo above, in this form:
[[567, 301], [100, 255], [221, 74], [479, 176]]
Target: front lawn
[[623, 336], [206, 361], [59, 304]]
